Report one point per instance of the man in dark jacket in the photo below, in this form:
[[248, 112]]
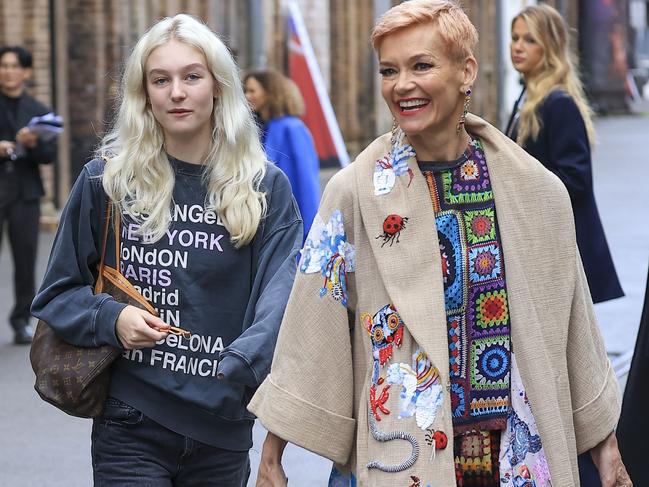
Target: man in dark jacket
[[21, 152]]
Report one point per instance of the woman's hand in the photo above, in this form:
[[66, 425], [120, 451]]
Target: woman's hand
[[6, 148], [271, 473], [608, 461], [137, 328], [27, 138]]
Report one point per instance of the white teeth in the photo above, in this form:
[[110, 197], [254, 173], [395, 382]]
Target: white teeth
[[413, 103]]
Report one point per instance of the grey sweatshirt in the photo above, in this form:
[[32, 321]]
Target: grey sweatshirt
[[232, 301]]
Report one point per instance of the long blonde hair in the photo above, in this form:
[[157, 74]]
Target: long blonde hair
[[556, 70], [139, 177]]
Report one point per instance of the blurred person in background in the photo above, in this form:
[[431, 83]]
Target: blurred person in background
[[278, 104], [21, 153], [633, 428], [210, 233], [440, 330], [553, 122]]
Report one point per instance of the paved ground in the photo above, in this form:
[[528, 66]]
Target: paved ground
[[39, 446]]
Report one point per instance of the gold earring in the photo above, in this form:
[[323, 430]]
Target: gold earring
[[465, 110], [395, 127]]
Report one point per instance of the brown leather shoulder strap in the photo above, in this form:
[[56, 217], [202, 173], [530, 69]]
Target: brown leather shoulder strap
[[117, 230], [99, 285]]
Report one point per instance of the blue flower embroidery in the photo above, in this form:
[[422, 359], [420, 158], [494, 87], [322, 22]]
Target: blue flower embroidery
[[327, 251], [522, 441], [400, 153], [391, 166]]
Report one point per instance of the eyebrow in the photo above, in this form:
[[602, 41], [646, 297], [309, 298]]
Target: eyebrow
[[189, 67], [415, 57]]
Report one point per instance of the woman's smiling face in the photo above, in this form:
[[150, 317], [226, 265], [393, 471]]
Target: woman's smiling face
[[423, 87]]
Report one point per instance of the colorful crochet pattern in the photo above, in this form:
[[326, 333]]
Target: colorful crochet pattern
[[474, 290], [476, 458]]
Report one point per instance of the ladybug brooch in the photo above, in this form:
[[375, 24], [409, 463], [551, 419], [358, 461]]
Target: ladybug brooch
[[437, 439], [392, 227]]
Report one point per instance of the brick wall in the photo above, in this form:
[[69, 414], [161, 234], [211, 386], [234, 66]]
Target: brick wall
[[484, 101], [93, 37], [99, 33]]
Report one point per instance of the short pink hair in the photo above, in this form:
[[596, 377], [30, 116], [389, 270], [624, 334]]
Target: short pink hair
[[455, 28]]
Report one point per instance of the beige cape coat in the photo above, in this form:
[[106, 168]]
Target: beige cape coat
[[317, 393]]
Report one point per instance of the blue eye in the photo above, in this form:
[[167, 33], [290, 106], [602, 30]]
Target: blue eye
[[159, 81], [193, 77], [385, 72], [422, 66]]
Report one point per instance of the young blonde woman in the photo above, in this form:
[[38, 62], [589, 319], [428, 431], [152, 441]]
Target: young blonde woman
[[552, 121], [209, 235], [287, 141], [440, 330]]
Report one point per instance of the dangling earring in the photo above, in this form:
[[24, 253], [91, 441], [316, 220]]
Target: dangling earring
[[467, 100], [395, 127]]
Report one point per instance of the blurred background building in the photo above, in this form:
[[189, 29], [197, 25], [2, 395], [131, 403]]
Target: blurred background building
[[79, 47]]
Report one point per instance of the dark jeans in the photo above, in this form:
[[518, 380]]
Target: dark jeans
[[588, 474], [129, 449], [21, 219]]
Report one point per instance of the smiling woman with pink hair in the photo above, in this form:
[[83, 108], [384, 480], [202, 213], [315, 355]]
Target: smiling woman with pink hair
[[440, 331]]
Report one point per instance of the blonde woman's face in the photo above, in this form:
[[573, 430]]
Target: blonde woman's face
[[255, 94], [525, 50], [181, 92]]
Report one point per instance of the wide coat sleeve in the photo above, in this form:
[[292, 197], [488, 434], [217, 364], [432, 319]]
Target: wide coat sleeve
[[247, 359], [593, 386], [568, 150], [308, 397], [66, 300]]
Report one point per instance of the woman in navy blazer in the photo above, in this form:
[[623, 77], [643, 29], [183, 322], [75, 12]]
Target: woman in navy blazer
[[552, 121]]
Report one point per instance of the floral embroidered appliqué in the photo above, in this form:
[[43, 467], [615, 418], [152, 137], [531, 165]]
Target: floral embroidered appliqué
[[327, 251], [421, 394], [388, 168], [522, 459]]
